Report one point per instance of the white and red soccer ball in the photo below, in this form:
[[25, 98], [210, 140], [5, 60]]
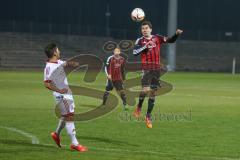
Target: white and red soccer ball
[[137, 15]]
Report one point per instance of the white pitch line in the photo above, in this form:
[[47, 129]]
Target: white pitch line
[[148, 152], [33, 138], [37, 142]]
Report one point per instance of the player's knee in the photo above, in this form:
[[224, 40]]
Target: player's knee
[[122, 92], [152, 98], [152, 93], [145, 90], [68, 117]]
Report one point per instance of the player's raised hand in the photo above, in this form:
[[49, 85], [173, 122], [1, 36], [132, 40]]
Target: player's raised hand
[[72, 64], [63, 91], [179, 31]]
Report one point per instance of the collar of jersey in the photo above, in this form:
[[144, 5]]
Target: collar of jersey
[[52, 62]]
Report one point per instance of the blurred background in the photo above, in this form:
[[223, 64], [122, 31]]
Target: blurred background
[[211, 39]]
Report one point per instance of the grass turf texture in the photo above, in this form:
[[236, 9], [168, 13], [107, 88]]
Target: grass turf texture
[[212, 133]]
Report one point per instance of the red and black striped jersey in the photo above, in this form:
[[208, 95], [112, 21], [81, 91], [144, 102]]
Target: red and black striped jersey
[[115, 66], [150, 51]]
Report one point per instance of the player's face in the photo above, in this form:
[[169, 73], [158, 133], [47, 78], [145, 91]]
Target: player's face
[[116, 51], [146, 30]]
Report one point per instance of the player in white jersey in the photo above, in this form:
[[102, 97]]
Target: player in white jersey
[[55, 79]]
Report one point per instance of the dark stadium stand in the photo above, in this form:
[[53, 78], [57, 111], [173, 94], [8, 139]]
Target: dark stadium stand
[[25, 50]]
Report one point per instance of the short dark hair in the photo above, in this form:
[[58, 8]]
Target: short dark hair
[[49, 49], [147, 23]]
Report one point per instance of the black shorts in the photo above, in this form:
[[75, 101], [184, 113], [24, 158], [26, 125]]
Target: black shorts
[[151, 79], [118, 85]]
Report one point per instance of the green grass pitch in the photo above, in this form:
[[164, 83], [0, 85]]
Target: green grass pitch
[[211, 131]]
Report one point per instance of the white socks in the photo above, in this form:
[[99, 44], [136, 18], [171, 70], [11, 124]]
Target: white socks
[[70, 127], [61, 125]]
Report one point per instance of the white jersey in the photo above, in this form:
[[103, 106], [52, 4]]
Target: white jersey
[[54, 73]]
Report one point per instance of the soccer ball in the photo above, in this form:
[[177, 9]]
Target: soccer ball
[[137, 15]]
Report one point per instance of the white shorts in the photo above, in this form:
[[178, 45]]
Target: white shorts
[[65, 104]]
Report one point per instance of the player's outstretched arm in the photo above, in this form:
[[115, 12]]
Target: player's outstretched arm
[[52, 87], [71, 64], [175, 36]]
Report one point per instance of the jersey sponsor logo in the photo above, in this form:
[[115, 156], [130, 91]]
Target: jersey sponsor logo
[[151, 45], [117, 65]]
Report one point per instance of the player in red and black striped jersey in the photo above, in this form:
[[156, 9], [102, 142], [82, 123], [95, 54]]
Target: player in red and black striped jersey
[[115, 71], [148, 47]]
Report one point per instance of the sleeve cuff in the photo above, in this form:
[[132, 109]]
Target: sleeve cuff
[[48, 81]]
